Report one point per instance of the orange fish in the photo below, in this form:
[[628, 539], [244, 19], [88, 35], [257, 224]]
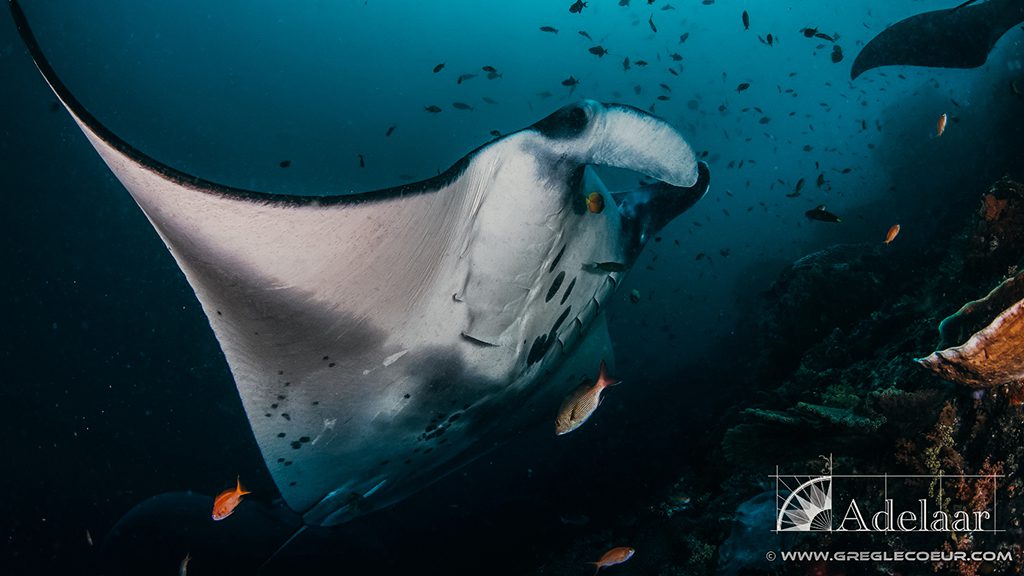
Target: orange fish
[[891, 234], [582, 403], [595, 203], [226, 502], [613, 557], [940, 126]]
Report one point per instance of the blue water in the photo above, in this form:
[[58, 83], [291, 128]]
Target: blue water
[[114, 387]]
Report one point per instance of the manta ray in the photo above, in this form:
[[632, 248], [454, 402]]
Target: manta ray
[[379, 340], [959, 37]]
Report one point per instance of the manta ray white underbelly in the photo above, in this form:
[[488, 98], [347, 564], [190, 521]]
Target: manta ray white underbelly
[[378, 340]]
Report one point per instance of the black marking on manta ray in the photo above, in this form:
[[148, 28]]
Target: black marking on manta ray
[[565, 314], [557, 259], [555, 285], [568, 290]]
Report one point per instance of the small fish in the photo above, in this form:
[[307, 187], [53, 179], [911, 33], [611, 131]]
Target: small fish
[[585, 35], [625, 64], [495, 133], [489, 100], [581, 404], [676, 57], [226, 502], [489, 69], [746, 20], [577, 7], [824, 36], [284, 163], [641, 63], [770, 39], [461, 106], [613, 557], [683, 37], [821, 180], [623, 2], [743, 86], [634, 296], [673, 72], [891, 234], [544, 94], [88, 537], [809, 32], [432, 109], [599, 51], [799, 185], [570, 81], [391, 130], [651, 22], [549, 29], [464, 77], [604, 266], [837, 54], [183, 567], [439, 67], [362, 161], [940, 125], [822, 215], [663, 98]]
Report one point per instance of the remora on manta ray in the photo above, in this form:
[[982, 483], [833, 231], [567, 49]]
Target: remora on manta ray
[[379, 340]]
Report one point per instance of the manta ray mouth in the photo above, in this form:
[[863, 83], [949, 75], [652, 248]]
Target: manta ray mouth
[[377, 340]]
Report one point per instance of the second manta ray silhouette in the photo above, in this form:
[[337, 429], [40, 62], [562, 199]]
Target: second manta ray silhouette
[[959, 37], [380, 340]]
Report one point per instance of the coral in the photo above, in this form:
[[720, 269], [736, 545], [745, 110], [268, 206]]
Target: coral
[[998, 237], [831, 289], [993, 355], [992, 207], [941, 456]]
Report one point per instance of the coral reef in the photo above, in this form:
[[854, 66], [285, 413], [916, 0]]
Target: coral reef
[[841, 378], [994, 354]]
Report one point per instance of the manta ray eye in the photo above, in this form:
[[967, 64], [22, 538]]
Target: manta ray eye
[[568, 122]]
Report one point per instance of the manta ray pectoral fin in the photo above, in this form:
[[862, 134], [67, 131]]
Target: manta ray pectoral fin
[[959, 37]]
